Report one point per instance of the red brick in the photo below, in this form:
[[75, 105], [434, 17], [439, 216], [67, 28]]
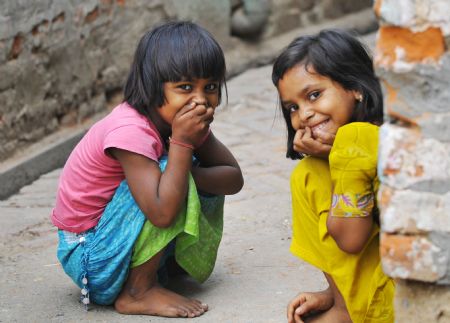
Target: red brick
[[91, 16], [418, 46], [16, 47], [409, 257]]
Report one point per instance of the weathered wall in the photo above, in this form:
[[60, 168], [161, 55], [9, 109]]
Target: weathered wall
[[413, 60], [62, 61]]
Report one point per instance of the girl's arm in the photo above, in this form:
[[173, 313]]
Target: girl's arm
[[161, 195], [218, 172], [350, 234], [353, 170], [158, 195]]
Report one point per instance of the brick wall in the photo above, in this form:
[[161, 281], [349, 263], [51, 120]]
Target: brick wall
[[413, 61]]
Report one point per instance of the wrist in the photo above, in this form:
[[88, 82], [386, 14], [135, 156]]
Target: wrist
[[180, 143]]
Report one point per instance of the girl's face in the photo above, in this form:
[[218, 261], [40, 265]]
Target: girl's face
[[315, 101], [179, 94]]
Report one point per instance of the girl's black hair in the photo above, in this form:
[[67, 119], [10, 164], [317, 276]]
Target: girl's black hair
[[340, 56], [172, 52]]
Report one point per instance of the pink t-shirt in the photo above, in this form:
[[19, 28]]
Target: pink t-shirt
[[90, 177]]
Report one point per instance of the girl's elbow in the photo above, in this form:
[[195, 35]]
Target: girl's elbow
[[234, 183], [350, 247], [160, 221], [239, 183], [347, 243]]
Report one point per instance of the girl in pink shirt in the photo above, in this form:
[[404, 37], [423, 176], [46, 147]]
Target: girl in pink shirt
[[113, 186]]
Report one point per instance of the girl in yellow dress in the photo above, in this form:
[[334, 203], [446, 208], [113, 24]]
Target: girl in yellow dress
[[332, 104]]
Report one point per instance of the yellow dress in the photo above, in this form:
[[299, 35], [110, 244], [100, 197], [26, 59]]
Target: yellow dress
[[351, 171]]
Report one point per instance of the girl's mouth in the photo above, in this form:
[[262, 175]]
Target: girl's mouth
[[319, 126]]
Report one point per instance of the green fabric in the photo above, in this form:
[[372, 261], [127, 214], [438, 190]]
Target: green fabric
[[197, 229]]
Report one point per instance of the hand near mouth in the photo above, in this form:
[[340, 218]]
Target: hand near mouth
[[317, 143]]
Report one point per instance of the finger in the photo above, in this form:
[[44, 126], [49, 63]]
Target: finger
[[296, 302], [316, 145], [209, 115], [290, 313], [297, 141], [325, 137], [298, 319], [290, 310], [200, 109], [308, 143], [308, 133], [313, 147], [305, 308], [187, 108], [299, 135]]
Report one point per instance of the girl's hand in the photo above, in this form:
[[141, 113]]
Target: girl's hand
[[309, 303], [317, 145], [191, 123], [302, 304]]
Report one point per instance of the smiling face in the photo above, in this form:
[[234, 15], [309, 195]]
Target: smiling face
[[179, 94], [315, 101]]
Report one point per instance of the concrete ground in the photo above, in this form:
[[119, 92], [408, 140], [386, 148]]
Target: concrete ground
[[255, 275]]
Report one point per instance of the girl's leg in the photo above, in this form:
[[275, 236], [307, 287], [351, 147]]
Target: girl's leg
[[141, 294]]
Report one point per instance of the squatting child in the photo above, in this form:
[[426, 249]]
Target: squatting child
[[146, 183], [332, 103]]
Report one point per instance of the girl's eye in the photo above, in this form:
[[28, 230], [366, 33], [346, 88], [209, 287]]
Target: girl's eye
[[186, 87], [211, 87], [313, 95], [292, 108]]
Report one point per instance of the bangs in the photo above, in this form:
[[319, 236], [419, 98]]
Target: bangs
[[187, 55], [172, 52]]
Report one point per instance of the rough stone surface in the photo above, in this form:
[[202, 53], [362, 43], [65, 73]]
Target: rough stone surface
[[60, 59], [202, 12], [413, 61], [410, 91], [417, 257], [417, 15], [418, 302], [428, 213], [409, 160]]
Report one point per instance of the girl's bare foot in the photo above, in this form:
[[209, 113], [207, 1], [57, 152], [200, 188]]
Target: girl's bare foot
[[158, 301], [309, 303], [142, 295]]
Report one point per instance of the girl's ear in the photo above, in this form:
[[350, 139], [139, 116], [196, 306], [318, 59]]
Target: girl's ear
[[358, 95]]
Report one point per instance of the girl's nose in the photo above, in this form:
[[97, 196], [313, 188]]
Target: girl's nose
[[198, 95], [199, 99], [306, 114]]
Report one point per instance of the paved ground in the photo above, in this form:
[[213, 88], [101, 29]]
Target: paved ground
[[255, 275]]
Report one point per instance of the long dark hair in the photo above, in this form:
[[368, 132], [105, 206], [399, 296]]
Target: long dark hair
[[172, 52], [336, 54]]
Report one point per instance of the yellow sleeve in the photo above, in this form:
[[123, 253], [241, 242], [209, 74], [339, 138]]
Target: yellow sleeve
[[353, 169]]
